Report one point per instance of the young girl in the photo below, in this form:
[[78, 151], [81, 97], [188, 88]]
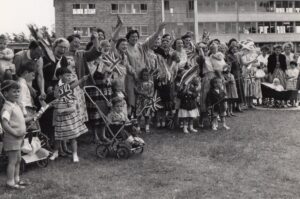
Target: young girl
[[231, 89], [103, 83], [144, 92], [67, 122], [188, 106], [7, 68], [292, 75], [14, 128], [215, 98]]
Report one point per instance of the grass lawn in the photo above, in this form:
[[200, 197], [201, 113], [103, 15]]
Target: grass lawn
[[258, 158]]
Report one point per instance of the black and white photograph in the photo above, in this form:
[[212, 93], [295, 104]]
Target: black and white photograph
[[149, 99]]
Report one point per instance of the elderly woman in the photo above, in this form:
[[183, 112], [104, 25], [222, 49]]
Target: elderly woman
[[60, 50], [277, 66], [138, 58]]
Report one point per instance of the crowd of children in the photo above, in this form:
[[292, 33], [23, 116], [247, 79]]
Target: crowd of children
[[165, 81]]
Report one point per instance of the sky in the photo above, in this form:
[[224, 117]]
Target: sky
[[16, 14]]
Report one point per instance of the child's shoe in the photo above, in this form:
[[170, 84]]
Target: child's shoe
[[192, 130], [75, 158], [214, 128], [185, 130], [147, 128], [158, 125], [226, 127], [54, 155], [163, 124]]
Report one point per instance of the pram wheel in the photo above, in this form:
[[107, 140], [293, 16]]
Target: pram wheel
[[101, 151], [123, 152], [43, 163]]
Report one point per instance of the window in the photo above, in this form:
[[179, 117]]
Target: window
[[206, 6], [285, 27], [129, 8], [266, 27], [247, 27], [226, 6], [297, 6], [84, 9], [144, 31], [226, 27], [297, 27], [191, 5], [284, 7], [136, 8], [114, 8], [246, 6], [143, 8], [83, 31], [167, 4], [210, 27], [265, 6]]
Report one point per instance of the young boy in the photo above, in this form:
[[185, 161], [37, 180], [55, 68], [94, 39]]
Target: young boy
[[13, 123], [26, 75]]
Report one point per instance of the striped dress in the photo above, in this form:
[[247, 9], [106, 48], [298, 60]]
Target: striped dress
[[67, 125]]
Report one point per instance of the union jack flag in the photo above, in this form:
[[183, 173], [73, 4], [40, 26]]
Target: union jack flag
[[66, 93], [113, 63]]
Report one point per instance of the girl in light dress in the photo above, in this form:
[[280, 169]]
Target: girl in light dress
[[67, 122]]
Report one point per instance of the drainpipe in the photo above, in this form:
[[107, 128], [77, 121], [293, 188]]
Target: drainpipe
[[163, 13], [196, 30]]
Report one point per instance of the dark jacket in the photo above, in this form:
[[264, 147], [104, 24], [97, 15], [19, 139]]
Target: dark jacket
[[217, 100], [272, 63]]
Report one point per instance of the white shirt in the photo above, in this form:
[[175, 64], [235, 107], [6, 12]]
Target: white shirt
[[25, 96], [263, 59]]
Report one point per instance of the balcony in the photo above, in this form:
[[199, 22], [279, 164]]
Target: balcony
[[265, 38], [254, 16]]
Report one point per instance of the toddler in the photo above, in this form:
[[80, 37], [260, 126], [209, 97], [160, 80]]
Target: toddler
[[216, 99]]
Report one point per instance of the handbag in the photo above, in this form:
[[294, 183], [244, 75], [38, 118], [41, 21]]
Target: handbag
[[26, 147]]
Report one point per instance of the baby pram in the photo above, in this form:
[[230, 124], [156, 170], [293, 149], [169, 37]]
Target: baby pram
[[268, 92], [118, 140], [35, 151]]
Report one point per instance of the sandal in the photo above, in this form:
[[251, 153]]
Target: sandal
[[23, 183], [15, 187]]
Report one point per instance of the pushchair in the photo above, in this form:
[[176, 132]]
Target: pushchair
[[35, 151], [271, 97], [116, 135]]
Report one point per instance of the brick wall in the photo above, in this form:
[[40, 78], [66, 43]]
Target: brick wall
[[65, 21]]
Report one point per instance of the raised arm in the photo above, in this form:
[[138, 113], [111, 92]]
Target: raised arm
[[150, 42], [115, 34]]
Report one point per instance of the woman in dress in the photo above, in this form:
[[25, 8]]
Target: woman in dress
[[277, 66], [138, 59], [233, 61]]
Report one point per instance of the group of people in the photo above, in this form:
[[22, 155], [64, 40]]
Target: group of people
[[156, 81]]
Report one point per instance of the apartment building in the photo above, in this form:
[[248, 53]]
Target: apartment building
[[266, 22], [82, 16]]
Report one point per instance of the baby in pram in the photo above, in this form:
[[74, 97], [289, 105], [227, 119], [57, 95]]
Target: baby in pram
[[117, 118]]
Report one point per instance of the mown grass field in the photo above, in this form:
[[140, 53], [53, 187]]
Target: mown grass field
[[258, 158]]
